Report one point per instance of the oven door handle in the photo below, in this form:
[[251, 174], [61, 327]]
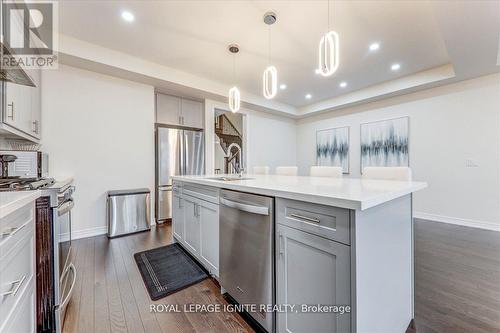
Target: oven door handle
[[65, 207], [72, 268]]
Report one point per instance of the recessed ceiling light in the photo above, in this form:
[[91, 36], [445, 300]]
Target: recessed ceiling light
[[308, 96], [282, 86], [395, 67], [343, 84], [128, 16], [374, 46]]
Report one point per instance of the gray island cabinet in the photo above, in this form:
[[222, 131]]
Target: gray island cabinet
[[343, 248]]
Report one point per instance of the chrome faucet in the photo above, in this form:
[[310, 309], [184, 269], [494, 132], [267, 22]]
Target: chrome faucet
[[240, 171]]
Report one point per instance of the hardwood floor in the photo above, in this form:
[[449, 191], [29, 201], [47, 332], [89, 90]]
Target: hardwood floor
[[457, 286], [457, 279], [110, 295]]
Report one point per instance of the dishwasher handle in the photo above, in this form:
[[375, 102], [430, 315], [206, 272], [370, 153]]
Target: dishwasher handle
[[260, 210]]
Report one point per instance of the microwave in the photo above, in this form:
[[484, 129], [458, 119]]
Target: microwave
[[29, 164]]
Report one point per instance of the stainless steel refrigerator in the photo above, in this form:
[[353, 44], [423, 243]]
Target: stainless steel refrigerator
[[178, 152]]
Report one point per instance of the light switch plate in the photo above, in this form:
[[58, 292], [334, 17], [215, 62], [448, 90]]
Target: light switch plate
[[470, 163]]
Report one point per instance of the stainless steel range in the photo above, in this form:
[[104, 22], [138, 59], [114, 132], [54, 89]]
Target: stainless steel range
[[24, 184], [56, 274], [61, 201]]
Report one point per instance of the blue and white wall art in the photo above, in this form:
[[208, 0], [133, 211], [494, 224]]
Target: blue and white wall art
[[332, 148], [385, 143]]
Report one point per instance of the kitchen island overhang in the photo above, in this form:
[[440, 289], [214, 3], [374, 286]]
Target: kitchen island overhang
[[370, 221], [350, 193]]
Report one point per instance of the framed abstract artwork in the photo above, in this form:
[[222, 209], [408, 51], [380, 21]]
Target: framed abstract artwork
[[385, 143], [332, 148]]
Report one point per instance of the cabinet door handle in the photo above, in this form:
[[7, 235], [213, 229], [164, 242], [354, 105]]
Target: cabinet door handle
[[11, 105], [280, 244], [305, 218], [16, 285], [12, 231], [35, 126]]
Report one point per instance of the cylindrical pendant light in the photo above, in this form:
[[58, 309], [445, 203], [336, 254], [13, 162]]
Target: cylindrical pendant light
[[234, 99], [328, 51], [270, 82], [270, 75]]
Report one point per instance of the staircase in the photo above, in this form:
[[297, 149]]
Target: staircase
[[231, 142]]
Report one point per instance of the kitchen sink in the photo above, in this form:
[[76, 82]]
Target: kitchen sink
[[229, 179]]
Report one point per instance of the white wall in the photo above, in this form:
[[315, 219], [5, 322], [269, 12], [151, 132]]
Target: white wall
[[99, 130], [448, 125], [272, 141]]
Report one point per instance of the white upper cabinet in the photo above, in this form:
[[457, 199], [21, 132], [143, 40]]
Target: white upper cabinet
[[173, 110], [36, 104], [192, 113], [18, 108], [168, 109], [21, 107]]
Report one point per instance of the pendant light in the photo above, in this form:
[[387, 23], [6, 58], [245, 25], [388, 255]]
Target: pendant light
[[328, 51], [270, 75], [234, 92]]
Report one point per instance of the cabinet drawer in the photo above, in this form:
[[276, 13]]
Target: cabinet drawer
[[206, 193], [14, 227], [22, 319], [17, 273], [329, 222]]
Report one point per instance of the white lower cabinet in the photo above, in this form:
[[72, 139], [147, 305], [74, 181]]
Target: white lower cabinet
[[178, 218], [195, 224], [209, 233], [17, 271], [22, 319], [311, 270], [191, 225]]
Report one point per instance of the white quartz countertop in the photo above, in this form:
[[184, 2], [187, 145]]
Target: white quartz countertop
[[351, 193], [11, 201]]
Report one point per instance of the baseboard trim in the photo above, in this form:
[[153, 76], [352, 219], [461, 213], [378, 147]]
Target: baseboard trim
[[91, 232], [458, 221]]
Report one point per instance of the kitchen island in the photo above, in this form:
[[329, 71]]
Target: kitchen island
[[337, 242]]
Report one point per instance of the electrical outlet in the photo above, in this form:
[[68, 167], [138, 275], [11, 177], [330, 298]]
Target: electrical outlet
[[470, 163]]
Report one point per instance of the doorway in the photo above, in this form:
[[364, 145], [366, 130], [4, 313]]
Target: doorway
[[229, 150]]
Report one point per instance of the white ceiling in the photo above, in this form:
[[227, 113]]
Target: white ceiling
[[192, 36]]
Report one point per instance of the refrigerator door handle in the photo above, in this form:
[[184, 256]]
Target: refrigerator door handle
[[185, 149], [182, 144]]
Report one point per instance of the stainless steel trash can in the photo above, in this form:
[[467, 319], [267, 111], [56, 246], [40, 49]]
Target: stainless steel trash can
[[128, 211]]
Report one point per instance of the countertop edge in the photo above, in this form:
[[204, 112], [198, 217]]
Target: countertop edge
[[319, 199], [16, 203]]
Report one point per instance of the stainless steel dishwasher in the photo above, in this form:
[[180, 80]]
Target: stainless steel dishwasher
[[246, 251]]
